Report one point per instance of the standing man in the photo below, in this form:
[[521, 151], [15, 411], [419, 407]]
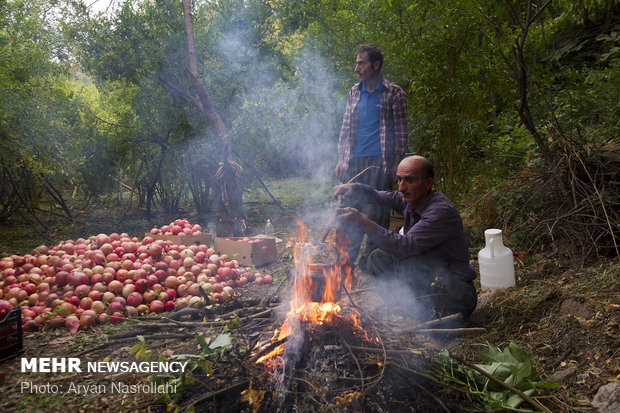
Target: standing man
[[373, 134]]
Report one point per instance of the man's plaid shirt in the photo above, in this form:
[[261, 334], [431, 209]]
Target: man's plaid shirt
[[392, 129]]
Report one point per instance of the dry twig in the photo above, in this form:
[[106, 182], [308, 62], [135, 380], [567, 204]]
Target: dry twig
[[267, 349]]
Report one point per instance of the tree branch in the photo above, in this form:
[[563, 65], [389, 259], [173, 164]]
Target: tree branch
[[183, 94]]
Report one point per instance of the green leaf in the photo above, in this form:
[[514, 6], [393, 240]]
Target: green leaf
[[520, 373], [494, 354], [514, 400], [203, 343], [497, 369], [224, 340], [547, 385], [206, 366], [519, 354], [134, 349]]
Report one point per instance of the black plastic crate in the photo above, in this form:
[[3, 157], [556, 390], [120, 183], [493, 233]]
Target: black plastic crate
[[11, 335]]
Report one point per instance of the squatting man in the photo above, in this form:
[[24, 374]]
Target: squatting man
[[430, 254]]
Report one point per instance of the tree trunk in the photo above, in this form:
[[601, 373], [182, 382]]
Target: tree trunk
[[206, 105], [120, 186], [524, 109], [150, 190], [521, 76], [57, 196], [203, 95]]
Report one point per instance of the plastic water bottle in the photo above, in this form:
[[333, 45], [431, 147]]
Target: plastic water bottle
[[496, 262], [269, 228], [212, 231], [211, 228]]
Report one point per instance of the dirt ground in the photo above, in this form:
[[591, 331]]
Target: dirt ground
[[566, 316]]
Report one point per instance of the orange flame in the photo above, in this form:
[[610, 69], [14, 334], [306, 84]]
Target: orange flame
[[312, 279]]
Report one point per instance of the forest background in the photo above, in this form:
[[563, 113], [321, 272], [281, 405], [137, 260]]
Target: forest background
[[516, 103], [112, 120]]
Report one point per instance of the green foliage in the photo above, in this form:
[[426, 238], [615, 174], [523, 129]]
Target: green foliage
[[140, 350], [512, 366], [584, 102], [35, 113], [90, 99]]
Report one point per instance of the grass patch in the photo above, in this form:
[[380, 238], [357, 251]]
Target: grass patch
[[292, 192]]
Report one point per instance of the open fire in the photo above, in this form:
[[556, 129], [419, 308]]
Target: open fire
[[316, 290]]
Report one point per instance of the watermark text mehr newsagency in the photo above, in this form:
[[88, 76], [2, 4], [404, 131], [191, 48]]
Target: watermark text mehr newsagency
[[74, 365]]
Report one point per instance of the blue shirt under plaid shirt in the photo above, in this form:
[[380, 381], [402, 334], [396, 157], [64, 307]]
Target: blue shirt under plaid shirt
[[393, 128]]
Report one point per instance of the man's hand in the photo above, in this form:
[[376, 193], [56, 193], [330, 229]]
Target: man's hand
[[354, 195], [350, 216], [339, 171], [344, 191]]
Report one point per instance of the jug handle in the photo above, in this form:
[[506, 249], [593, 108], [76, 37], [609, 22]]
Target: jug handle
[[491, 248]]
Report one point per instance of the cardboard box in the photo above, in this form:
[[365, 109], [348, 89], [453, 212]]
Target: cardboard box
[[186, 240], [246, 253]]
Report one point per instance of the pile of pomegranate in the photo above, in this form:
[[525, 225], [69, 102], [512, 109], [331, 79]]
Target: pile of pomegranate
[[106, 278], [178, 227]]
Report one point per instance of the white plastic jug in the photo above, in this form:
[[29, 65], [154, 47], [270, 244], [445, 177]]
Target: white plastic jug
[[496, 263]]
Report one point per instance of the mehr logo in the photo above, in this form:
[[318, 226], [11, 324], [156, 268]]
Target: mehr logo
[[72, 364], [51, 365]]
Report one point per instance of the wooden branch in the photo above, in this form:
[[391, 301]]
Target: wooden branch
[[175, 89], [267, 349], [122, 183], [49, 187], [262, 313], [329, 228], [357, 363], [361, 173], [135, 183], [203, 95], [26, 206], [540, 10], [522, 85], [441, 320], [43, 235], [451, 317]]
